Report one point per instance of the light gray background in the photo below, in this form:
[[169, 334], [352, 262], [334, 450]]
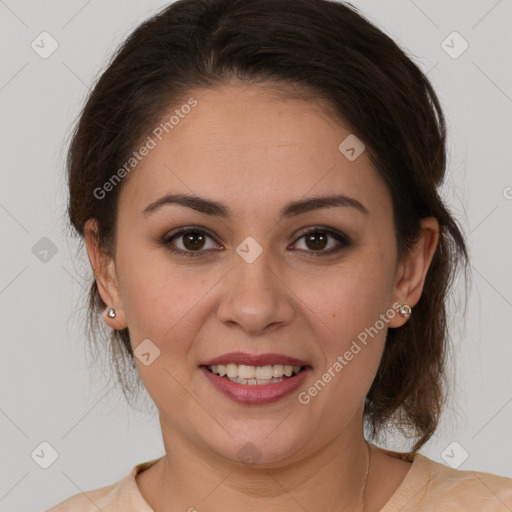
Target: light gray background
[[46, 388]]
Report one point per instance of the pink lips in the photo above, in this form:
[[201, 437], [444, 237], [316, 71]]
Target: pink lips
[[257, 394]]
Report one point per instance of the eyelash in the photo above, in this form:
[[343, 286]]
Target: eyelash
[[343, 239]]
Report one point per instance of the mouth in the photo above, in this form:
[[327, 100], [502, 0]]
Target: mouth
[[255, 379], [255, 375]]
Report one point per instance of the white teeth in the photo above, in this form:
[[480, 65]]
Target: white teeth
[[255, 382], [277, 370], [232, 370], [263, 372], [252, 375], [288, 370], [246, 372]]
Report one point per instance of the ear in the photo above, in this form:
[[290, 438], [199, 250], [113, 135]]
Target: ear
[[105, 273], [411, 272]]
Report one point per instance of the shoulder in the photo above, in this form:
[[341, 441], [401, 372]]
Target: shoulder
[[122, 495], [471, 488], [90, 500], [434, 486], [431, 486]]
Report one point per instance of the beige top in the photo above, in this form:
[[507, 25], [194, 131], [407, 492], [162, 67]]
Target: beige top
[[427, 487]]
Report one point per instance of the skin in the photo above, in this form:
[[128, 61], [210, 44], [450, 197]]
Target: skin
[[255, 150]]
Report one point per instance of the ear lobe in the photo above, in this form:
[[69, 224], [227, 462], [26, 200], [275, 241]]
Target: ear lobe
[[412, 271], [104, 270]]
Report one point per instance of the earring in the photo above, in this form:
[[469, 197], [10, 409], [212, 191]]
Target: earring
[[405, 310], [111, 313]]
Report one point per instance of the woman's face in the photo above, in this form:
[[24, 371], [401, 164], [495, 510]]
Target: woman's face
[[261, 275]]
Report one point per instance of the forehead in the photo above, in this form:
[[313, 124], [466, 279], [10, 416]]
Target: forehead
[[251, 145]]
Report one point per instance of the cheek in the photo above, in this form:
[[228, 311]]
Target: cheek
[[345, 310], [350, 336], [349, 297], [163, 304], [160, 299]]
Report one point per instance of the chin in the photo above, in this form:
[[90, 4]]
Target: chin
[[259, 447]]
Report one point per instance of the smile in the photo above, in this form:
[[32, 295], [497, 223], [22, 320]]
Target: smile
[[255, 375], [256, 391]]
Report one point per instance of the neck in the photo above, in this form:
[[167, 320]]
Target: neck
[[189, 477]]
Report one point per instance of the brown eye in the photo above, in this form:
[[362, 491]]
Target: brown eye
[[316, 240], [319, 240], [193, 240], [189, 241]]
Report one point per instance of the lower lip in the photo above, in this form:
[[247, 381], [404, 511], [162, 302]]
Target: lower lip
[[258, 393]]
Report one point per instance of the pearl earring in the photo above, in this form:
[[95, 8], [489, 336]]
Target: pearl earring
[[405, 310], [111, 313]]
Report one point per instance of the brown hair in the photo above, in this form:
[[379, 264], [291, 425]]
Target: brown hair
[[319, 46]]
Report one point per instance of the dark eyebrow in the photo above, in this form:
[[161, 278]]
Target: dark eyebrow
[[209, 207]]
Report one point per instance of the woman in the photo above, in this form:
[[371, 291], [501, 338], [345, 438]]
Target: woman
[[256, 182]]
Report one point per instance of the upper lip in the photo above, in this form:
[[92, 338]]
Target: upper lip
[[255, 359]]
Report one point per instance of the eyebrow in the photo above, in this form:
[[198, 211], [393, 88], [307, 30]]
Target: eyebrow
[[292, 209]]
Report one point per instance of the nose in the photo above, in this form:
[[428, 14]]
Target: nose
[[255, 298]]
